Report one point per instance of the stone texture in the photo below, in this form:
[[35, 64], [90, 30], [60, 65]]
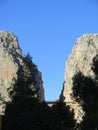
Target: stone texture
[[11, 58], [81, 58]]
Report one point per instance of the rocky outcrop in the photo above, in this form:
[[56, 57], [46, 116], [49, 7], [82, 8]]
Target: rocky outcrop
[[11, 59], [81, 60]]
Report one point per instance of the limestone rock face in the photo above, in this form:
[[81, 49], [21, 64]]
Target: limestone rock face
[[81, 59], [11, 59]]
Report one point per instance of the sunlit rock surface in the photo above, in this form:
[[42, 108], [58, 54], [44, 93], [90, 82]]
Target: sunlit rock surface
[[81, 59], [11, 58]]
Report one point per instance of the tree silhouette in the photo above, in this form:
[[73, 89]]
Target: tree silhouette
[[20, 112], [95, 66], [63, 117], [25, 112], [85, 92]]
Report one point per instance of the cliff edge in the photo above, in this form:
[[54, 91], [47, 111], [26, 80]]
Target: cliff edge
[[81, 60], [11, 60]]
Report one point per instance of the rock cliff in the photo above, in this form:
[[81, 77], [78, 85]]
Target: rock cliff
[[81, 59], [11, 59]]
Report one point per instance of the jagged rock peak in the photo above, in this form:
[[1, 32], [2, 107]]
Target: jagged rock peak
[[80, 60], [12, 60], [9, 39]]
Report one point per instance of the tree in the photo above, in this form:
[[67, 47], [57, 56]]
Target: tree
[[25, 112], [21, 112], [85, 92], [63, 117]]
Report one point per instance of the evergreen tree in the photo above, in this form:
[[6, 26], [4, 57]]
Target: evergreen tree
[[85, 92], [63, 117], [25, 112]]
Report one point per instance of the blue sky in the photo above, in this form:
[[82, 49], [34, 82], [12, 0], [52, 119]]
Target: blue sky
[[48, 30]]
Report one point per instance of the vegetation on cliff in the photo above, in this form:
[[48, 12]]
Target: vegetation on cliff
[[25, 112], [85, 91]]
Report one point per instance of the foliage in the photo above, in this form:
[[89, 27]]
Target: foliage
[[29, 114], [63, 117], [95, 66], [25, 112], [85, 92]]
